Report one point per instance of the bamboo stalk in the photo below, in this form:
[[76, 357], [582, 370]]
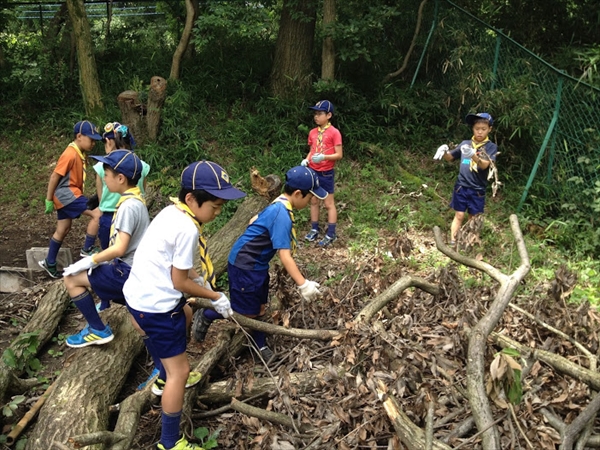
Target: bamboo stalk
[[28, 417]]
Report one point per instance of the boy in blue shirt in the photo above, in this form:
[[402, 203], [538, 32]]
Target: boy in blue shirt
[[162, 272], [476, 155], [271, 231], [107, 271]]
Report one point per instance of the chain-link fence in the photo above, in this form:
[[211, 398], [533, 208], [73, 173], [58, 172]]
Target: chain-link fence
[[550, 121]]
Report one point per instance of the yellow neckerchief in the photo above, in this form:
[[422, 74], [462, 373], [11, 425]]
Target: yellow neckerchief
[[293, 239], [134, 192], [476, 146], [83, 160], [205, 262], [320, 132]]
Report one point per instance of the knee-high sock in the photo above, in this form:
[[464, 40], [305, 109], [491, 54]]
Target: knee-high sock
[[85, 304], [170, 429], [89, 242], [53, 249]]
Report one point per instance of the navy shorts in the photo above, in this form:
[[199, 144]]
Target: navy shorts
[[165, 332], [326, 180], [107, 280], [104, 229], [248, 289], [73, 210], [468, 200]]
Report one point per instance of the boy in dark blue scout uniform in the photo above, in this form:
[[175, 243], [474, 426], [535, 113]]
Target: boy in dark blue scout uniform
[[476, 155], [271, 231]]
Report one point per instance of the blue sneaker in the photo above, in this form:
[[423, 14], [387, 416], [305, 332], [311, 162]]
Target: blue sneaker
[[153, 375], [89, 336], [327, 241], [312, 235]]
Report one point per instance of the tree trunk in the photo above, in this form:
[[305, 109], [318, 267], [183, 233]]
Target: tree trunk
[[156, 100], [328, 52], [132, 115], [190, 16], [88, 385], [88, 73], [291, 71], [44, 321]]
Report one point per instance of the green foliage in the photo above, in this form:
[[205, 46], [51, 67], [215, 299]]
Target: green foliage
[[24, 358], [9, 409], [207, 441]]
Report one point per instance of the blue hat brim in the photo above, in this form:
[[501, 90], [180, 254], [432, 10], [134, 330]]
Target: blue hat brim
[[229, 193], [319, 192]]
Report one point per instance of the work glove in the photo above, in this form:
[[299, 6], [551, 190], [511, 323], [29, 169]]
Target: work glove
[[467, 151], [318, 158], [83, 264], [441, 151], [222, 305], [49, 206], [304, 163], [310, 290]]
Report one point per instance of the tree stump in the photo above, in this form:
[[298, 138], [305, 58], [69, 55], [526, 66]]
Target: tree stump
[[156, 99], [132, 115]]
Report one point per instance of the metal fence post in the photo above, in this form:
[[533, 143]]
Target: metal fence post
[[433, 25], [496, 59]]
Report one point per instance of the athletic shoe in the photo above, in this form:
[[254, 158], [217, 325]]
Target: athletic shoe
[[267, 354], [89, 336], [153, 375], [312, 235], [193, 379], [89, 252], [200, 325], [327, 240], [181, 444], [51, 269]]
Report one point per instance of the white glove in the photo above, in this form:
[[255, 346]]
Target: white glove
[[304, 163], [83, 264], [200, 282], [441, 151], [222, 305], [467, 151], [318, 158], [310, 290]]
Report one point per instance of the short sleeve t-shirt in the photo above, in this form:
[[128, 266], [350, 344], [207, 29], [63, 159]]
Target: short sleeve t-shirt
[[474, 179], [70, 186], [132, 218], [108, 201], [331, 138], [271, 231], [171, 240]]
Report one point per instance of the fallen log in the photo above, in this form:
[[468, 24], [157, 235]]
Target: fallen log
[[273, 417], [87, 386], [43, 321]]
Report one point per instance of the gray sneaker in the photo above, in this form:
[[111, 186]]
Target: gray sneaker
[[51, 269], [200, 325], [267, 354]]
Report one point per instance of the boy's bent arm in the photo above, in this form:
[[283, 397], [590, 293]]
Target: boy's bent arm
[[285, 255], [54, 179], [183, 283], [116, 250]]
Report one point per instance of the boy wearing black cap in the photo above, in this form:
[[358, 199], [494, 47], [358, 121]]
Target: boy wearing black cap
[[476, 155], [65, 191], [325, 149], [163, 271], [107, 271], [271, 231]]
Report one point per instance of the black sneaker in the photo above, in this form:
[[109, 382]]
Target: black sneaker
[[267, 354], [200, 325], [51, 269]]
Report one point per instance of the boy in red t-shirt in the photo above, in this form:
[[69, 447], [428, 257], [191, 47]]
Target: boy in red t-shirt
[[325, 143]]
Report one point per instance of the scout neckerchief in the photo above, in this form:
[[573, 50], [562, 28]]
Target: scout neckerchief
[[80, 153], [134, 192], [293, 240], [476, 146], [320, 133], [205, 262]]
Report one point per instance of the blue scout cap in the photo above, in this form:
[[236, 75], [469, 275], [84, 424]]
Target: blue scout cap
[[323, 105], [87, 128], [471, 118], [122, 161], [209, 177], [305, 179]]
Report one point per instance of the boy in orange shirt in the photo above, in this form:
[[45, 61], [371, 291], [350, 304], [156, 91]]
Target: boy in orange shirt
[[65, 190]]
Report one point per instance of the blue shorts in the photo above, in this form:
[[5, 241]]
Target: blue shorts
[[165, 332], [73, 210], [326, 180], [107, 280], [468, 200], [248, 289], [104, 229]]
